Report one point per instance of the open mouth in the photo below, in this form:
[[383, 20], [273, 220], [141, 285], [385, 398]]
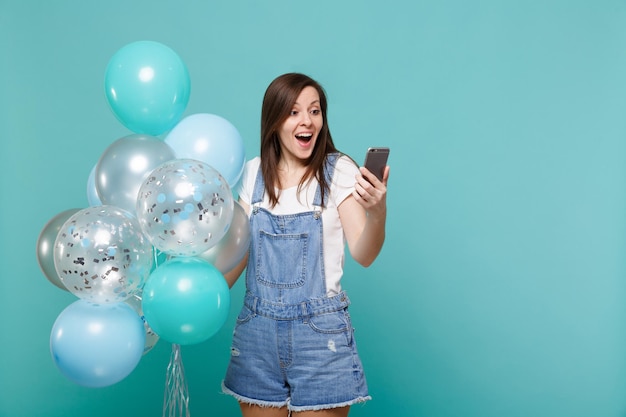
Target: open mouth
[[304, 137]]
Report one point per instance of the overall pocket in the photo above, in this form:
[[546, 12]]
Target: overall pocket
[[281, 259], [337, 322], [244, 315]]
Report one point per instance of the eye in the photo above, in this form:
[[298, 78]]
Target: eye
[[316, 112], [293, 112]]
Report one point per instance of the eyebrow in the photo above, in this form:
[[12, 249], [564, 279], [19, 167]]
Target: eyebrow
[[310, 104]]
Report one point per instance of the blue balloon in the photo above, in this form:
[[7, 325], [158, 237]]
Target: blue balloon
[[96, 345], [211, 139], [147, 86], [186, 300]]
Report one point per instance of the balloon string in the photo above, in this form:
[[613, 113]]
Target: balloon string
[[176, 401], [155, 252]]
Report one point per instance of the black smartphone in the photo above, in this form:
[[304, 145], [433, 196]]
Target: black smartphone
[[376, 161]]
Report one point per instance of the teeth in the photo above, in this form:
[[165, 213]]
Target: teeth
[[304, 136]]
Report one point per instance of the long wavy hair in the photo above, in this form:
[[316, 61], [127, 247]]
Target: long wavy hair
[[278, 102]]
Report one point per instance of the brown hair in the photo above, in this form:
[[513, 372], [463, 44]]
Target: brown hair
[[278, 102]]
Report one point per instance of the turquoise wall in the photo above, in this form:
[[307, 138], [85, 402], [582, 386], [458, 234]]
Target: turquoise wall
[[501, 287]]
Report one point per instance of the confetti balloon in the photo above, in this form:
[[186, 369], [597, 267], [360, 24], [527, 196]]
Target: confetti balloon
[[184, 207], [101, 255]]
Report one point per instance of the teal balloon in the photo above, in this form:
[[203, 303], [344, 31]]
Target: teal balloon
[[147, 86], [186, 300]]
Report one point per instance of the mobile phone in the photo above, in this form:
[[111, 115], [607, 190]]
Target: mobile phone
[[376, 160]]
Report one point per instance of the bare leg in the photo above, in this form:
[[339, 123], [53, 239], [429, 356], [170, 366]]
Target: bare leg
[[248, 410], [333, 412]]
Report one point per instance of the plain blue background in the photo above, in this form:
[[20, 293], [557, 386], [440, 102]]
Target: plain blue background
[[500, 290]]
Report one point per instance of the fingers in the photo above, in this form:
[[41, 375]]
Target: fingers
[[364, 187], [372, 200], [369, 190], [372, 179], [368, 176]]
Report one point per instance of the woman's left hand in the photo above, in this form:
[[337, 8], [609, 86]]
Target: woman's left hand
[[371, 193]]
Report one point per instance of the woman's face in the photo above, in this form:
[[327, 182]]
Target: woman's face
[[299, 131]]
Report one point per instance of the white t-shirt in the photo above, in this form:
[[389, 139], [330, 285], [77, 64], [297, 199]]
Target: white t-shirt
[[334, 240]]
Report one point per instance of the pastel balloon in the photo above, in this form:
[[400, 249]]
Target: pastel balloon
[[147, 86], [45, 246], [101, 255], [186, 300], [184, 207], [97, 345], [232, 248], [124, 165], [211, 139]]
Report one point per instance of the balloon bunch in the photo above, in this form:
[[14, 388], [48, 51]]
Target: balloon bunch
[[146, 258]]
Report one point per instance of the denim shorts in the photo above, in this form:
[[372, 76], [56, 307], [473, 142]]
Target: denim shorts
[[304, 363]]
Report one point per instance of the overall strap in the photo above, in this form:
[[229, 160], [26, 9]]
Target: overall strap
[[259, 188], [331, 161]]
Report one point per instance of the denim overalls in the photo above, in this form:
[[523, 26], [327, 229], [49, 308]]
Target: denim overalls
[[292, 345]]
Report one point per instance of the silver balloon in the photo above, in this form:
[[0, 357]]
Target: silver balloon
[[45, 246], [100, 255], [232, 248], [151, 337], [92, 194], [184, 207], [124, 165]]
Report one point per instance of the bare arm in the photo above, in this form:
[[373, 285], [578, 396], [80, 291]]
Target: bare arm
[[232, 275], [363, 216]]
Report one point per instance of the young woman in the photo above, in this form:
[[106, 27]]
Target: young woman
[[293, 347]]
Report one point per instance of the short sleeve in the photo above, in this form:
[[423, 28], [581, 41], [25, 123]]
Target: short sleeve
[[246, 185], [343, 179]]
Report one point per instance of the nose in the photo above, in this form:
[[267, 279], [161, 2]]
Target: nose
[[306, 119]]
